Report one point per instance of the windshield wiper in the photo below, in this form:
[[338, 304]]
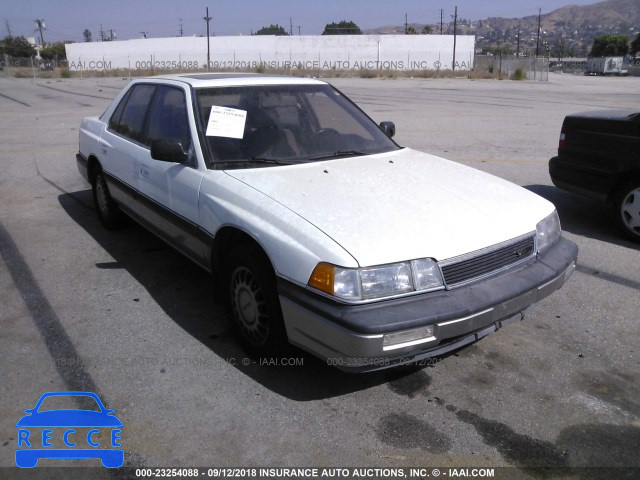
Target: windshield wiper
[[267, 160], [338, 154], [242, 163]]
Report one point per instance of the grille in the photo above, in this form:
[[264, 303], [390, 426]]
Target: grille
[[487, 262]]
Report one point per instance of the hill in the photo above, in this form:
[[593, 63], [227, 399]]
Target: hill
[[566, 32]]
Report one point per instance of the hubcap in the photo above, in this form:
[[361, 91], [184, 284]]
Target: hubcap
[[249, 306], [631, 211]]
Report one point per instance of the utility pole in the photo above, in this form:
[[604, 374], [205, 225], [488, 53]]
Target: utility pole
[[208, 19], [455, 26], [441, 20], [101, 33], [406, 24], [6, 22], [538, 38], [40, 24], [181, 29], [518, 48], [290, 26]]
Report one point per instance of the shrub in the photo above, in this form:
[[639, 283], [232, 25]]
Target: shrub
[[519, 74]]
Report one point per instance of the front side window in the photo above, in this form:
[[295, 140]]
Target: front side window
[[168, 118], [285, 124]]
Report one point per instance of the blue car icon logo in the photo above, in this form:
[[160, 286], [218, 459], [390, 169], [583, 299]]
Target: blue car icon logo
[[92, 431]]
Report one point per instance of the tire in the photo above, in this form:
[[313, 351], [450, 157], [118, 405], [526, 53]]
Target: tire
[[253, 303], [627, 209], [109, 213]]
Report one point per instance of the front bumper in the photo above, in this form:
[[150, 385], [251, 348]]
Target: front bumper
[[350, 337]]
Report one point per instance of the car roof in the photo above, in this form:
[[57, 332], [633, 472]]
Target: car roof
[[200, 80]]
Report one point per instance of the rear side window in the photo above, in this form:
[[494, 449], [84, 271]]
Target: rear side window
[[129, 117]]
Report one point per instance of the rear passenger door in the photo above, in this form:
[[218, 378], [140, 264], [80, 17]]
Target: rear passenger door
[[122, 144]]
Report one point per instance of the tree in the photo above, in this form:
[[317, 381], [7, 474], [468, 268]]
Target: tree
[[410, 31], [635, 46], [16, 47], [342, 28], [427, 30], [87, 35], [272, 30], [610, 46], [54, 52]]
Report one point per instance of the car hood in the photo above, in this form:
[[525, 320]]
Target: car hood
[[401, 205]]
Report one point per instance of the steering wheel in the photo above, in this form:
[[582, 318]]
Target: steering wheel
[[324, 132]]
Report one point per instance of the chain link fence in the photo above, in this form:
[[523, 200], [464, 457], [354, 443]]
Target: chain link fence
[[13, 66], [523, 68], [499, 67]]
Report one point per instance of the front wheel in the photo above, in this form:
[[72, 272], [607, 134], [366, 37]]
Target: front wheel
[[627, 209], [253, 303]]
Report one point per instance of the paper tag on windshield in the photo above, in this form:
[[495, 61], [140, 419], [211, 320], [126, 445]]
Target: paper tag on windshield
[[226, 122]]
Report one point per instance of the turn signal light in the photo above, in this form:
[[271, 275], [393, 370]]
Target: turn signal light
[[322, 278]]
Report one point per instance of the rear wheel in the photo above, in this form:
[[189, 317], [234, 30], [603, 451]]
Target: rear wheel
[[627, 209], [109, 213], [253, 302]]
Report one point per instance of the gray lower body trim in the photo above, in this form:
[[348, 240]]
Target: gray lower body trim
[[356, 351]]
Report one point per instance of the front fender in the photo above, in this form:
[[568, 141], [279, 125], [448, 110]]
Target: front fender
[[293, 245]]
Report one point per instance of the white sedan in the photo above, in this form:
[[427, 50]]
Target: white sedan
[[320, 230]]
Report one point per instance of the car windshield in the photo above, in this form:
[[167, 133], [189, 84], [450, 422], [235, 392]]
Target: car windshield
[[245, 127]]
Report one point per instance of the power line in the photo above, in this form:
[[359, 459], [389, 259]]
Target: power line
[[455, 25], [538, 38], [40, 24], [207, 19]]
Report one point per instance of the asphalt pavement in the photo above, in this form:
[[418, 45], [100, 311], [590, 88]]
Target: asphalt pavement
[[122, 315]]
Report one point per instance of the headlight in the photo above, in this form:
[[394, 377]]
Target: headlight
[[368, 283], [548, 231]]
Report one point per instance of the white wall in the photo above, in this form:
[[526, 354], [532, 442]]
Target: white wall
[[341, 52]]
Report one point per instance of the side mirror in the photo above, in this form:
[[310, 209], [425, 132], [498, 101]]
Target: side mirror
[[168, 151], [389, 128]]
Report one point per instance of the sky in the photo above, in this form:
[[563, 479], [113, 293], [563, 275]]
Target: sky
[[67, 19]]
